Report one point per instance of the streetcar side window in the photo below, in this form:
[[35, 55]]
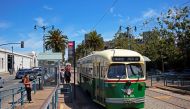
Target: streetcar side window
[[117, 71], [134, 71]]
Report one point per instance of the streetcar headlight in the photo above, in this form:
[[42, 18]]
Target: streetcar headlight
[[129, 91]]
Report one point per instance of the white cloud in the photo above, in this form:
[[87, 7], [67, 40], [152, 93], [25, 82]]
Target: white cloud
[[2, 41], [32, 42], [111, 10], [118, 15], [72, 32], [4, 24], [47, 7], [108, 35], [150, 13], [79, 33], [40, 21], [82, 31], [146, 16]]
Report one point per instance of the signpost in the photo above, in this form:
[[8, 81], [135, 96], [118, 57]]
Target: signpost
[[71, 55]]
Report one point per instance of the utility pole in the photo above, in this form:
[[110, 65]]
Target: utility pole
[[44, 29], [128, 28]]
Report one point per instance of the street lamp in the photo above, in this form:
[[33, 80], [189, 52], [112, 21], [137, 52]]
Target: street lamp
[[44, 29], [128, 28]]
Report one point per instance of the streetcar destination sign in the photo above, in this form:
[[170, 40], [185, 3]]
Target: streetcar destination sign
[[125, 59]]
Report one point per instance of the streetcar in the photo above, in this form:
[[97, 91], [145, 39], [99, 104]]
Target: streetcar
[[114, 78]]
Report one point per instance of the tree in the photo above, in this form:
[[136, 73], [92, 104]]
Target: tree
[[94, 41], [80, 51], [177, 21], [56, 41], [121, 41]]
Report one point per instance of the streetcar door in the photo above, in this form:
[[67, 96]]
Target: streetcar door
[[97, 83]]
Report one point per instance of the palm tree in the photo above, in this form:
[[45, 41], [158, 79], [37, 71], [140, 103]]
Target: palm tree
[[56, 41], [80, 51], [94, 41]]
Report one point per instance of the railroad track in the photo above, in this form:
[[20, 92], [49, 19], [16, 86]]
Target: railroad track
[[170, 99]]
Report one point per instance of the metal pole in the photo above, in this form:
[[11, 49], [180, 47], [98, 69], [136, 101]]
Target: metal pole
[[44, 42], [74, 61], [35, 86], [12, 61], [53, 104], [22, 96], [151, 81], [13, 101], [56, 98], [128, 33]]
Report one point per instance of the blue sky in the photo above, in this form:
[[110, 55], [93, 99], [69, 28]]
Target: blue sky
[[74, 18]]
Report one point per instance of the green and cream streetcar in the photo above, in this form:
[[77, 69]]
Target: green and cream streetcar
[[115, 78]]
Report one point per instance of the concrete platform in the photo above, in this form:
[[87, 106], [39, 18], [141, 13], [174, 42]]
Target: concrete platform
[[38, 99]]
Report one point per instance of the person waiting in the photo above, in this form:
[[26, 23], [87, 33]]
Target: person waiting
[[28, 88]]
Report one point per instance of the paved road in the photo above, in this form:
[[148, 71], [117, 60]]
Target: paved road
[[160, 99]]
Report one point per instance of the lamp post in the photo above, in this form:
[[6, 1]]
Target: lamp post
[[44, 29], [128, 28]]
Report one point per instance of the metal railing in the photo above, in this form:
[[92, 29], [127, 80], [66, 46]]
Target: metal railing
[[52, 101], [167, 80], [67, 91], [13, 97]]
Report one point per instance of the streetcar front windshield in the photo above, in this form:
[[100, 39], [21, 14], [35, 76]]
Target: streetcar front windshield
[[117, 71], [134, 71]]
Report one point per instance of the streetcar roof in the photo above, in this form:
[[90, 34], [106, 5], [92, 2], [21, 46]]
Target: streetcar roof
[[109, 53]]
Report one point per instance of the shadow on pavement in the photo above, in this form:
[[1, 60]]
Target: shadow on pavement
[[83, 100]]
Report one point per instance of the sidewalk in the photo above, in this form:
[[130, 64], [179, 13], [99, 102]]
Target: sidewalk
[[38, 99]]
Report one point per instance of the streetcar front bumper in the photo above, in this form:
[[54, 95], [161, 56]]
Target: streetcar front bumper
[[125, 100]]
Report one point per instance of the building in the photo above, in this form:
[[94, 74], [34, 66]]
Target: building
[[12, 61]]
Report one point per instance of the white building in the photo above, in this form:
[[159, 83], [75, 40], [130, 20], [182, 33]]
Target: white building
[[18, 60]]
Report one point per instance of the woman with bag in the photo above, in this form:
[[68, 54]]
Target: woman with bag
[[28, 88], [67, 74]]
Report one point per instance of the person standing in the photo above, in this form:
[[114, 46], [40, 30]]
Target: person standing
[[67, 74], [28, 88]]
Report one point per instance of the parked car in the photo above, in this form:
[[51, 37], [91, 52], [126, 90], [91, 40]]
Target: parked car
[[170, 74], [20, 74], [154, 72], [185, 74], [37, 70], [1, 82]]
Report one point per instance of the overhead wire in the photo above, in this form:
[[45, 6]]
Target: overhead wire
[[106, 12]]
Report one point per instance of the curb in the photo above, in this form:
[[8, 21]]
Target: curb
[[179, 91]]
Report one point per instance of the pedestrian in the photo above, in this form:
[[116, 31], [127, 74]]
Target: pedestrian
[[67, 74], [62, 75], [28, 88]]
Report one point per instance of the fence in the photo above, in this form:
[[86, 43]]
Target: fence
[[16, 96], [176, 81]]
